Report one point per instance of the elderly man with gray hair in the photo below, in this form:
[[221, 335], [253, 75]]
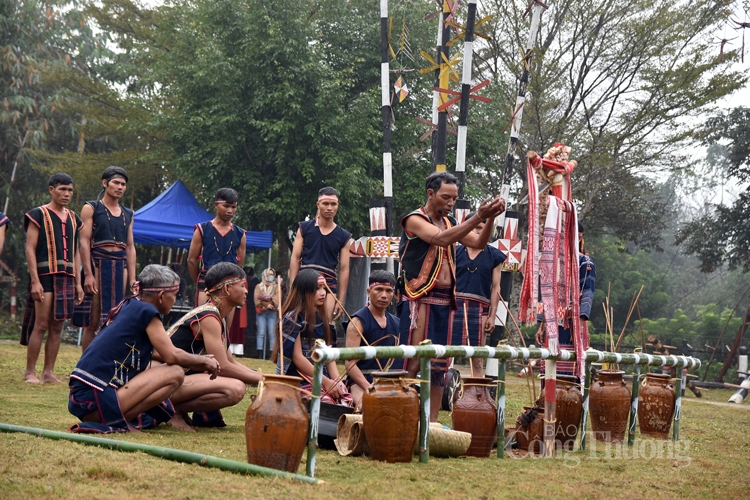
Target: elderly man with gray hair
[[110, 388]]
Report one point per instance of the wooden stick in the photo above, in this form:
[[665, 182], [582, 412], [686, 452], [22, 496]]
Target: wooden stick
[[633, 302], [523, 341]]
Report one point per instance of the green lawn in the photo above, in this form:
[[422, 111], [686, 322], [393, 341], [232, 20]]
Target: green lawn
[[711, 460]]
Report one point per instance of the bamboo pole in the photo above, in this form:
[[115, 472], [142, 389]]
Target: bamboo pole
[[161, 452], [634, 406], [500, 400], [550, 403], [585, 412], [312, 439], [424, 408], [677, 408], [633, 303]]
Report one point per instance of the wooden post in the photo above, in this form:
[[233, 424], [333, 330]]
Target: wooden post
[[500, 400], [677, 408], [735, 345], [634, 405], [585, 413], [550, 402], [424, 408], [312, 436]]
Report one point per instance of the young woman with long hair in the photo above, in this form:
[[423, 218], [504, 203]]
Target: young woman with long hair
[[304, 321]]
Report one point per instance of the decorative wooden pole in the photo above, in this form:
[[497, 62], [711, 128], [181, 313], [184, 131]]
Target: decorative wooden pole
[[463, 115], [550, 402], [385, 101], [442, 79]]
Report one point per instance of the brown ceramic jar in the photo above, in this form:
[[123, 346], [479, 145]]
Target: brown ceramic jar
[[276, 424], [568, 410], [476, 413], [656, 405], [531, 438], [390, 417], [610, 406]]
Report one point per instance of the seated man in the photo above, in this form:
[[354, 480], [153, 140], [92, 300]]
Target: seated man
[[371, 326], [203, 331], [110, 388]]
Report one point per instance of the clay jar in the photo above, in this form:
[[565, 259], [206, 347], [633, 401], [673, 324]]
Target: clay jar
[[610, 406], [567, 411], [476, 413], [276, 424], [390, 417], [531, 438], [656, 405]]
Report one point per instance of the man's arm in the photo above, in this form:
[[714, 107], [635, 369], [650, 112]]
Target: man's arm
[[84, 244], [196, 247], [2, 238], [479, 240], [241, 251], [130, 257], [32, 239], [353, 340], [78, 299], [299, 241], [489, 324], [435, 236], [343, 283], [174, 356], [211, 331]]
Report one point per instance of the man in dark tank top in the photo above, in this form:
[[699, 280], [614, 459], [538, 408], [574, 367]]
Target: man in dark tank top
[[107, 253]]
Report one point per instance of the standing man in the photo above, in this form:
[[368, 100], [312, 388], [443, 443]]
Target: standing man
[[322, 245], [52, 256], [371, 326], [214, 241], [477, 295], [107, 253], [3, 222], [428, 262]]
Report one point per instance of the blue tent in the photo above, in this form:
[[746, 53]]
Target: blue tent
[[170, 219]]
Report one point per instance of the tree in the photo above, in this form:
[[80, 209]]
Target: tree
[[720, 235]]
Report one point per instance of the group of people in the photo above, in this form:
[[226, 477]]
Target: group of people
[[134, 373]]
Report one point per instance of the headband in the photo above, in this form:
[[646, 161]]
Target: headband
[[139, 290], [224, 202], [328, 197], [228, 281], [379, 283]]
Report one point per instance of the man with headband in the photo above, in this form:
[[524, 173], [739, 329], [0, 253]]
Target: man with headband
[[111, 389], [214, 241], [477, 295], [428, 255], [371, 326], [107, 253], [323, 245]]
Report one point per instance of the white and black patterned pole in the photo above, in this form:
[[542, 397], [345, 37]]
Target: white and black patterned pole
[[463, 115], [442, 79], [386, 113]]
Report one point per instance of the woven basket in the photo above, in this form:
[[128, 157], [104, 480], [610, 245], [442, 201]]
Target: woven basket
[[350, 436], [446, 443]]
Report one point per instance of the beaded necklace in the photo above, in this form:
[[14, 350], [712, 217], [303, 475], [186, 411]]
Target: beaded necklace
[[109, 219]]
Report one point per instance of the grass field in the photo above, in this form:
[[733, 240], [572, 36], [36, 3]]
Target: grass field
[[710, 461]]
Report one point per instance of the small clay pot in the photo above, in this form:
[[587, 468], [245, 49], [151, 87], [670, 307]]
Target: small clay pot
[[390, 417], [610, 406], [656, 405], [476, 413], [531, 437], [276, 424], [568, 411]]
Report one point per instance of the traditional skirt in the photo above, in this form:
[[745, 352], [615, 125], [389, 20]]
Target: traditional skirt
[[110, 279], [437, 304], [467, 327], [64, 301]]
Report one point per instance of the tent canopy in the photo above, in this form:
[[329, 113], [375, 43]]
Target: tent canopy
[[170, 219]]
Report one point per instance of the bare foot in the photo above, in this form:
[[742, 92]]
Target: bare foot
[[49, 378], [31, 378], [179, 423]]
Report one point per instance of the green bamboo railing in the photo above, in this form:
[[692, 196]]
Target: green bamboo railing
[[183, 456]]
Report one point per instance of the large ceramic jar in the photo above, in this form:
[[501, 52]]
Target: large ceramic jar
[[610, 406], [475, 412], [568, 410], [390, 417], [276, 424], [656, 405], [531, 437]]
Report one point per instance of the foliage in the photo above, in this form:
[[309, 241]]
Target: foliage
[[720, 234]]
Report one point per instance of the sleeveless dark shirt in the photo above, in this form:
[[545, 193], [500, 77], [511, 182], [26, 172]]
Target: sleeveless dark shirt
[[372, 331], [320, 250], [121, 349], [108, 229], [55, 252], [413, 252], [475, 276], [218, 248], [188, 340]]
